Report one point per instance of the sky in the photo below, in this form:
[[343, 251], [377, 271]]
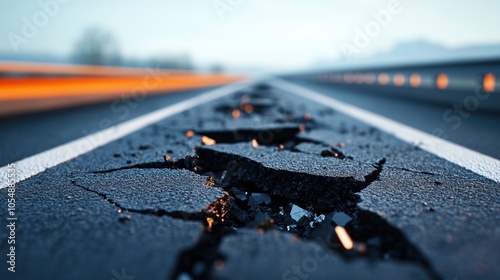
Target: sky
[[273, 34]]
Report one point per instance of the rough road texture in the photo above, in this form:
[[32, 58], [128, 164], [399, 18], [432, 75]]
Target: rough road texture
[[321, 183], [262, 203], [249, 250], [160, 191]]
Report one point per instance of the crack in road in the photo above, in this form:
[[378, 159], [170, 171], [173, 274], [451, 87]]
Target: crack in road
[[267, 182], [188, 163], [378, 238], [190, 216]]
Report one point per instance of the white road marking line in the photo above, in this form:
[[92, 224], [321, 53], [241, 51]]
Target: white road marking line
[[38, 163], [481, 164]]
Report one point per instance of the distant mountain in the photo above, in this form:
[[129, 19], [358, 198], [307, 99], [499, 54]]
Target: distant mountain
[[423, 51], [416, 52]]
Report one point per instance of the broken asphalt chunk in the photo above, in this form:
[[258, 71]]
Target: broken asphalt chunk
[[261, 198], [153, 190], [297, 213], [341, 219], [308, 180]]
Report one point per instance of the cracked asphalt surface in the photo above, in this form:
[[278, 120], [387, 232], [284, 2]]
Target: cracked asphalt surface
[[259, 204]]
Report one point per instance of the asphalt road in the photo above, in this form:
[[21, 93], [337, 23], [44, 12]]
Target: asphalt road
[[289, 183], [478, 130]]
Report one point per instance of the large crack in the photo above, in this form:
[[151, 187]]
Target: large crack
[[290, 183], [198, 261], [261, 201], [323, 184]]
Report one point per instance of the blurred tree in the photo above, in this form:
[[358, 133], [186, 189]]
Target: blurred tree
[[216, 68], [97, 47], [170, 61]]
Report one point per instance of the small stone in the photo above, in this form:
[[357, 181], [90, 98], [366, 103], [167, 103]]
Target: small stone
[[297, 213], [290, 227], [261, 198], [125, 219], [341, 219]]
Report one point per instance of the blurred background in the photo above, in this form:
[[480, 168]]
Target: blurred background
[[257, 36], [432, 65]]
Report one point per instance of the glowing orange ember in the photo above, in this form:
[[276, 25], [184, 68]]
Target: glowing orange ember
[[189, 133], [255, 144], [344, 237], [167, 158], [236, 114], [210, 222], [415, 80], [399, 80], [207, 141], [247, 108], [383, 79], [489, 82], [442, 81]]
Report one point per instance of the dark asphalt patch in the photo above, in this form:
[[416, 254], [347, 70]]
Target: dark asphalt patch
[[155, 191], [452, 218], [253, 255], [66, 232], [408, 210]]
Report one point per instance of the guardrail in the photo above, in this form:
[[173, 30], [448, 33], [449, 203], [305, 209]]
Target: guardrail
[[464, 82]]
